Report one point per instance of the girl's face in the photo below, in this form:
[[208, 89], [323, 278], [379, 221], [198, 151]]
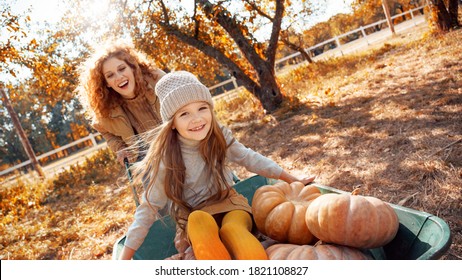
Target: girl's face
[[119, 76], [193, 121]]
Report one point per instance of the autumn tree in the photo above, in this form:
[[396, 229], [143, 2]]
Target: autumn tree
[[11, 52], [226, 32], [171, 54], [212, 39], [320, 32], [38, 77]]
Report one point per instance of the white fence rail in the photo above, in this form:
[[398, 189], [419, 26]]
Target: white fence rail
[[336, 40], [91, 137]]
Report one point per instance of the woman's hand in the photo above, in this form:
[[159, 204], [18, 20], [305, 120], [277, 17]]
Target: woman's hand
[[122, 155]]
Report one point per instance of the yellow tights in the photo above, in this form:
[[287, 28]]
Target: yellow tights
[[233, 241]]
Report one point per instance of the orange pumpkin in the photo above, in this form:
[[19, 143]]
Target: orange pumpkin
[[316, 252], [352, 220], [279, 211]]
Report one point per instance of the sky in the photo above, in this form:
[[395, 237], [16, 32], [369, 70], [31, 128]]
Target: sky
[[51, 10], [337, 6], [45, 10]]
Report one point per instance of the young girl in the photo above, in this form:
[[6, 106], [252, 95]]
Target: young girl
[[186, 168], [116, 88]]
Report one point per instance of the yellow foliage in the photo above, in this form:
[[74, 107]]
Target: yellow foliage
[[44, 220]]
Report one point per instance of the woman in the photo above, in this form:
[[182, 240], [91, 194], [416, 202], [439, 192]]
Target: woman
[[116, 88]]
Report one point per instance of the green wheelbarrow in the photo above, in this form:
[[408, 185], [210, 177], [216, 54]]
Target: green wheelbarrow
[[421, 236]]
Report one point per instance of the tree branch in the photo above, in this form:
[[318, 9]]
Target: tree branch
[[259, 11], [233, 29], [165, 12], [196, 21], [208, 50], [272, 47]]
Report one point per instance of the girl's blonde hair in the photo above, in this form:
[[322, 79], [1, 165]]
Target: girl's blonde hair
[[92, 91], [165, 148]]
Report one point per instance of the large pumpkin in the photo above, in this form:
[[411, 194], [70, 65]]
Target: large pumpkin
[[279, 211], [316, 252], [352, 220]]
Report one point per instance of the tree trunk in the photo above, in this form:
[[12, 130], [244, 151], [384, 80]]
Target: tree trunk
[[453, 9], [386, 9], [265, 88], [22, 135], [268, 91], [443, 19], [269, 95], [257, 74]]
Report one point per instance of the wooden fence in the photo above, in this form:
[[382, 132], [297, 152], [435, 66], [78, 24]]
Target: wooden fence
[[317, 51]]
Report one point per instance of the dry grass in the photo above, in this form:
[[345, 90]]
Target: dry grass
[[76, 215], [388, 119]]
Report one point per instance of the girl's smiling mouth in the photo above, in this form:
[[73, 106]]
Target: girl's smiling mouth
[[197, 128]]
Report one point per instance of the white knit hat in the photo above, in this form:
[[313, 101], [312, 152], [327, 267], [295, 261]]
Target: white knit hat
[[178, 89]]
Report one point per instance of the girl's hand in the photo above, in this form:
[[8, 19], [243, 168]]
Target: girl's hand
[[308, 180], [289, 178], [127, 253]]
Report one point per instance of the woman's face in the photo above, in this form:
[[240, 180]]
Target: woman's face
[[193, 121], [119, 76]]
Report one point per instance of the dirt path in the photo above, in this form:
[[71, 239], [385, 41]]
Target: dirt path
[[393, 127]]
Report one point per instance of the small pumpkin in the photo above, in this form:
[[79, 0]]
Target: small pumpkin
[[352, 220], [316, 252], [279, 211]]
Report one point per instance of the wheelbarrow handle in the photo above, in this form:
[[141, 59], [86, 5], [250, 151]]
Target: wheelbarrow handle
[[130, 179], [129, 172]]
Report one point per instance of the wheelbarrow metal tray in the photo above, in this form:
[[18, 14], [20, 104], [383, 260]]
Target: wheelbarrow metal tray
[[421, 236]]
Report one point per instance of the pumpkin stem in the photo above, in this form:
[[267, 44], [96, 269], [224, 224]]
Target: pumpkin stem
[[356, 191]]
